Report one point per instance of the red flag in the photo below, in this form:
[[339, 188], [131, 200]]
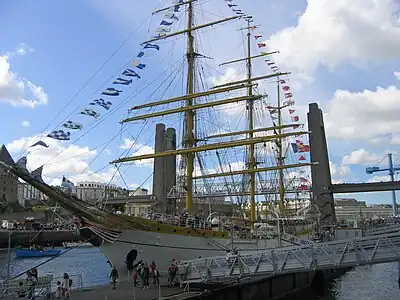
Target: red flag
[[282, 81], [257, 37], [291, 111], [286, 88], [261, 45], [303, 187], [304, 180], [302, 158]]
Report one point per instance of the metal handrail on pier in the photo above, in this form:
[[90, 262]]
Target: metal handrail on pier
[[318, 256]]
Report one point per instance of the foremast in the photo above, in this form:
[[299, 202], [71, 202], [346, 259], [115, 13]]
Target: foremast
[[190, 147], [189, 140]]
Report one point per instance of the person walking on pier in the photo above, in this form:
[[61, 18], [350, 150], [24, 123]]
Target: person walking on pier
[[31, 281], [146, 276], [135, 277], [114, 277], [66, 286]]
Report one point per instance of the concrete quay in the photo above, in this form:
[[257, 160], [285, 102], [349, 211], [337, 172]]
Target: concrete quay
[[125, 290], [271, 288]]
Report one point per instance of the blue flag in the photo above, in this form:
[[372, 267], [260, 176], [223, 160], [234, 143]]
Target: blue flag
[[131, 73], [151, 46]]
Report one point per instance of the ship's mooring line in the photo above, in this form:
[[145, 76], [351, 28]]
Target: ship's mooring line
[[222, 247]]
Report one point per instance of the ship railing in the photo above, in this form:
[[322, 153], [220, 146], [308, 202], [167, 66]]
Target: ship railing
[[183, 221], [16, 288]]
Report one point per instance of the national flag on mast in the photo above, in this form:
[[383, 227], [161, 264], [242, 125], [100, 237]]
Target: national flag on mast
[[257, 37], [303, 180], [65, 183], [295, 118], [261, 45]]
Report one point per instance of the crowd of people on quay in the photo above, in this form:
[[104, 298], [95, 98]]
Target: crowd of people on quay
[[29, 224], [63, 286], [145, 275]]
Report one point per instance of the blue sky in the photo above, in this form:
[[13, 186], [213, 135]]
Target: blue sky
[[66, 42]]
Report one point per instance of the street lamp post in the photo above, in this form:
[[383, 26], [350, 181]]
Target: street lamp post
[[9, 254]]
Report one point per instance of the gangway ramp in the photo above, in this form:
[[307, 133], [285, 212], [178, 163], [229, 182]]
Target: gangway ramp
[[316, 256], [382, 230]]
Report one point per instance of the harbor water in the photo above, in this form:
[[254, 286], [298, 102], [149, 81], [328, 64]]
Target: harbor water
[[88, 263], [366, 282]]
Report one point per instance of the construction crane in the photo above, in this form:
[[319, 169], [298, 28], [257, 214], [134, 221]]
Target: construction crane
[[392, 169]]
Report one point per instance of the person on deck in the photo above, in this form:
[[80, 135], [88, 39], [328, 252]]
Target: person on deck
[[114, 277]]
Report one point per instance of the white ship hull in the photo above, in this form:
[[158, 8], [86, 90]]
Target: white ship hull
[[163, 248]]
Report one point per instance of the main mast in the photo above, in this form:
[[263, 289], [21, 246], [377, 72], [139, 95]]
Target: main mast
[[281, 156], [189, 140], [252, 162]]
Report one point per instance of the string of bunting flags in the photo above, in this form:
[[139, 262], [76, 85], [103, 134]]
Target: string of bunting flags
[[126, 78], [298, 146]]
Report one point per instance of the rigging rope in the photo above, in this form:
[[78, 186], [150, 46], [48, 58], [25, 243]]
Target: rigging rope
[[88, 81]]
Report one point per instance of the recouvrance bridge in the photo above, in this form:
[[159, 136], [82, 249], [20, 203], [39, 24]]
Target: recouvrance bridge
[[318, 256]]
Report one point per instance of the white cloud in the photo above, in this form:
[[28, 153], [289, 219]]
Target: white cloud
[[360, 156], [72, 161], [23, 49], [26, 124], [337, 171], [19, 91], [138, 149], [397, 75], [329, 33], [379, 178], [363, 115]]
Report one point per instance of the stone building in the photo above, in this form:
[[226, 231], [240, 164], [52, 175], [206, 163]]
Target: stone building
[[8, 181]]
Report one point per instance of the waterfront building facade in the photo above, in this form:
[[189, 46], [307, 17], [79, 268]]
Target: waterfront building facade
[[27, 193], [8, 181], [90, 191]]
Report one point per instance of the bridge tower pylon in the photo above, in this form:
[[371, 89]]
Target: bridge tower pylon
[[320, 171]]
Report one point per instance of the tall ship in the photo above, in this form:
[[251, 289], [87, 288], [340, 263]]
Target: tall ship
[[213, 158]]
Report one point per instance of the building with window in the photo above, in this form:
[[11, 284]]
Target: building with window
[[8, 181], [27, 193], [92, 190]]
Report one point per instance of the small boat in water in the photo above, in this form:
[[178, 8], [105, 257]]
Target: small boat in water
[[76, 245], [24, 253]]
